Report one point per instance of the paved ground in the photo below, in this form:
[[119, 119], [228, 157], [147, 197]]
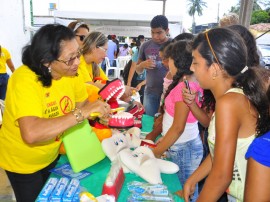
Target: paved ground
[[5, 188]]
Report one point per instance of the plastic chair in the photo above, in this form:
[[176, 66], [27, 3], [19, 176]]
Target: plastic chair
[[121, 63], [109, 67]]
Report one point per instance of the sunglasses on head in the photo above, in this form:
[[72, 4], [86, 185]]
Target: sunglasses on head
[[81, 37]]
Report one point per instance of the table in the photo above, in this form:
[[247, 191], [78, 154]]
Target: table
[[94, 182]]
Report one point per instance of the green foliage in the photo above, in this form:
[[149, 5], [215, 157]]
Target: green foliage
[[235, 9], [196, 6], [259, 16], [256, 6]]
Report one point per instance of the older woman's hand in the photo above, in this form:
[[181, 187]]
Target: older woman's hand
[[100, 108]]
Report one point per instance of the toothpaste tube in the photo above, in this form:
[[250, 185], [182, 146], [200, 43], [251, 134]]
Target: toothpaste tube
[[141, 188], [59, 189], [48, 188], [149, 197], [71, 190]]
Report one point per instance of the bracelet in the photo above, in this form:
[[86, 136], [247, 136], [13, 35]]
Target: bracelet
[[78, 114]]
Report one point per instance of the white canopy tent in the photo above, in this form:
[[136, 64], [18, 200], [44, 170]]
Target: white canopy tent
[[111, 23]]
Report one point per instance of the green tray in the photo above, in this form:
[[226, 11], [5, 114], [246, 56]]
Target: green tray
[[82, 146]]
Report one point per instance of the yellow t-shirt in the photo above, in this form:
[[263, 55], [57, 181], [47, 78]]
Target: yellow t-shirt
[[84, 66], [27, 97], [5, 55], [83, 73]]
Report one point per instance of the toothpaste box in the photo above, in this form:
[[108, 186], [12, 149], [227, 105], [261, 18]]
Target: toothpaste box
[[44, 195], [59, 189], [76, 197], [71, 190]]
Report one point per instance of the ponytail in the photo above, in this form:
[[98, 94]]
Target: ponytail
[[253, 88]]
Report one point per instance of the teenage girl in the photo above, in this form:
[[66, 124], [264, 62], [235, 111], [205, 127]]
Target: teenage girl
[[180, 127], [219, 64]]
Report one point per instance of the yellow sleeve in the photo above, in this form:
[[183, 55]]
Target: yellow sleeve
[[26, 92], [7, 54], [102, 74]]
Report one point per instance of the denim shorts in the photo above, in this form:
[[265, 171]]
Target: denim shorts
[[187, 156]]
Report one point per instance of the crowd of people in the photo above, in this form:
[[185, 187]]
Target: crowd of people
[[208, 94]]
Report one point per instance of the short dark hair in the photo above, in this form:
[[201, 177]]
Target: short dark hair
[[183, 36], [160, 21], [109, 37], [140, 37]]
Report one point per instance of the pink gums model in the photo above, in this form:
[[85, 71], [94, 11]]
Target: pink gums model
[[121, 120]]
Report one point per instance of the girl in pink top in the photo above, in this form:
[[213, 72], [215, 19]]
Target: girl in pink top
[[180, 128]]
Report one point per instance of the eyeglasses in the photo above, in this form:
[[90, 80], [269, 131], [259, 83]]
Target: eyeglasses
[[81, 37], [211, 48], [105, 50], [71, 60]]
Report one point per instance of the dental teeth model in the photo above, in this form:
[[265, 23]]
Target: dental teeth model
[[121, 120], [112, 90]]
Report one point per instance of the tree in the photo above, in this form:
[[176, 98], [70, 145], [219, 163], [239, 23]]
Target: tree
[[259, 16], [195, 6], [256, 6]]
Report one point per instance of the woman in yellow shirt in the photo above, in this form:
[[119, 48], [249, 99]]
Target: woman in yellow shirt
[[94, 50], [5, 58], [45, 97]]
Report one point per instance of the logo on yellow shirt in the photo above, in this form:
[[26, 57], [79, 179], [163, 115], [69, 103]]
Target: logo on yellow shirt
[[66, 104]]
